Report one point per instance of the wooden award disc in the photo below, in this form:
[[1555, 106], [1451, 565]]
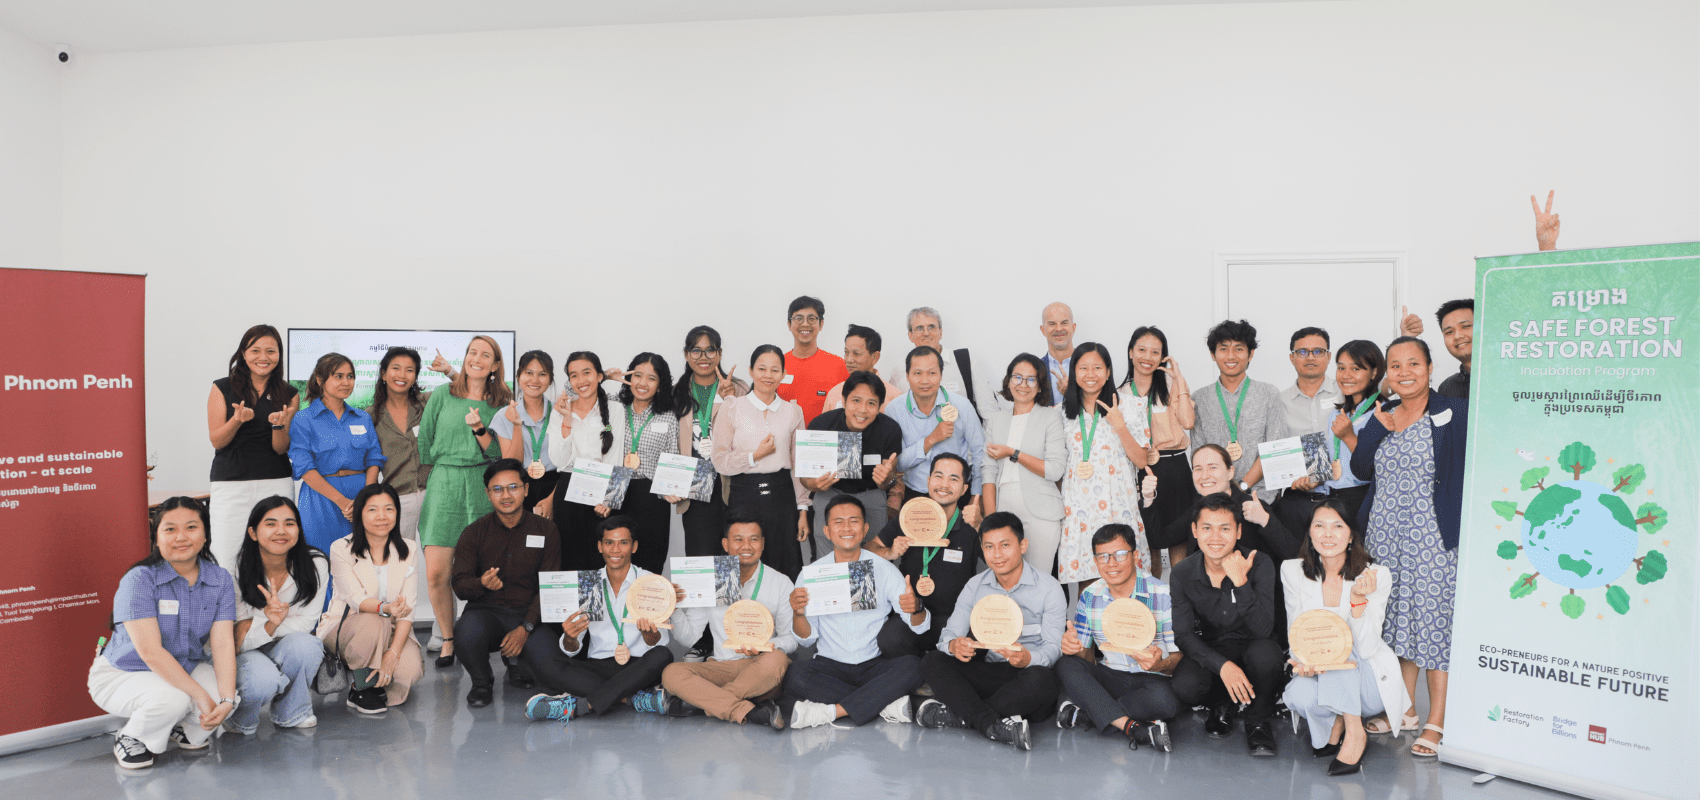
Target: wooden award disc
[[535, 470], [748, 624], [632, 460], [1234, 451], [996, 622], [651, 597], [1129, 626], [922, 520], [622, 654], [1084, 470], [948, 413], [1321, 640], [1337, 470], [924, 587]]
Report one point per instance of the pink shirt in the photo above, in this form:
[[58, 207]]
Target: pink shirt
[[739, 427]]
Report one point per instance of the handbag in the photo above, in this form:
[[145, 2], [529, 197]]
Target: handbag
[[333, 674]]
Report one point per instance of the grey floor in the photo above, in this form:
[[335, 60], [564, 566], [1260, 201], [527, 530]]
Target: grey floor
[[434, 746]]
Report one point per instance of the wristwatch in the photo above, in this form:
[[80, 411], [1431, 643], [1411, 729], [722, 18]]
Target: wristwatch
[[382, 612], [1015, 457], [530, 626], [235, 702], [480, 431]]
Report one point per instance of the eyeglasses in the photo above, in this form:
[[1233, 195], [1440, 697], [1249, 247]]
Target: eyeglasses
[[934, 328], [805, 320], [1024, 380], [1314, 351], [1118, 555], [512, 488], [698, 352]]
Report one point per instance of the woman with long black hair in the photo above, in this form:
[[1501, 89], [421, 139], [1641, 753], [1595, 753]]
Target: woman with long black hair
[[1104, 453], [1359, 369], [248, 417], [280, 586], [333, 450], [584, 431], [1158, 388], [697, 397], [370, 617], [644, 428]]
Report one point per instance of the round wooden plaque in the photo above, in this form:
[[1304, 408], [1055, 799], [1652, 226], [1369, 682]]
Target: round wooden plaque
[[748, 624], [996, 621], [948, 413], [1319, 637], [1129, 626], [651, 597], [922, 520]]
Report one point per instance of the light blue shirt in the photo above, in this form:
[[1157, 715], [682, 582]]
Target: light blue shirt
[[1044, 613], [967, 440], [528, 428], [1051, 366], [853, 637], [1347, 480]]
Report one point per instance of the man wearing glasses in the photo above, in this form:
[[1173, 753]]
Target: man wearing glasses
[[1128, 693], [958, 373], [810, 372], [495, 571], [1309, 405]]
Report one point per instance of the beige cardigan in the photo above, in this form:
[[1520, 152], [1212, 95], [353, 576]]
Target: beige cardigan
[[354, 580]]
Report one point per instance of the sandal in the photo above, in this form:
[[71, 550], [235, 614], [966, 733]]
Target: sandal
[[1429, 749], [1408, 722], [446, 661], [1376, 726]]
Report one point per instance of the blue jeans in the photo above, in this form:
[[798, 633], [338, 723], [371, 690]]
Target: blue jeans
[[282, 669]]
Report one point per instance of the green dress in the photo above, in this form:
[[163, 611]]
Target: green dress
[[455, 494]]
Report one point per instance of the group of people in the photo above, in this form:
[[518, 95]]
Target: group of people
[[1060, 473]]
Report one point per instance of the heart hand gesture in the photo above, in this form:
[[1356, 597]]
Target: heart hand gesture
[[241, 412]]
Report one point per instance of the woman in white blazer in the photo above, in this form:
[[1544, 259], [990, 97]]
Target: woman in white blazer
[[374, 575], [1334, 572], [1025, 458]]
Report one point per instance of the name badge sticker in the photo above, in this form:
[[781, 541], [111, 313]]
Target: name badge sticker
[[168, 608], [357, 430], [870, 460], [533, 540], [953, 556]]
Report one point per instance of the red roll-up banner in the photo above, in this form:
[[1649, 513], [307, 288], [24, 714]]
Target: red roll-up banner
[[73, 481]]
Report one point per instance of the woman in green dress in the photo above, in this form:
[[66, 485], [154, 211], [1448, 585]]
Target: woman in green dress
[[455, 444]]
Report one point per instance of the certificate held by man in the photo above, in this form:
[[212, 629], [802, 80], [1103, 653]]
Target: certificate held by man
[[823, 452], [838, 588]]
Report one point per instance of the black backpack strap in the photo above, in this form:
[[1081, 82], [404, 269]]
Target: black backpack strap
[[963, 364]]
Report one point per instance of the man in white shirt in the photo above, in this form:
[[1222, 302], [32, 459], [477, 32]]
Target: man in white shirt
[[625, 659], [1056, 322], [926, 329], [1309, 405], [848, 677], [737, 685]]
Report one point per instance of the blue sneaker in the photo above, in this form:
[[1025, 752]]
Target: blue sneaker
[[551, 706], [652, 701]]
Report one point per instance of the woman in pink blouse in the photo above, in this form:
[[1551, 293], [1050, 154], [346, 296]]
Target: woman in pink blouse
[[753, 438]]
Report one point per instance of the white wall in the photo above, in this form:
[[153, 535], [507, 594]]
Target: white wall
[[29, 154], [607, 188]]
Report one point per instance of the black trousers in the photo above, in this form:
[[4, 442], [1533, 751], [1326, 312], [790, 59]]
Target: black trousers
[[1175, 497], [705, 525], [1263, 662], [1294, 508], [896, 639], [773, 500], [653, 516], [982, 691], [604, 681], [478, 633], [863, 689], [538, 488], [577, 525], [1110, 694]]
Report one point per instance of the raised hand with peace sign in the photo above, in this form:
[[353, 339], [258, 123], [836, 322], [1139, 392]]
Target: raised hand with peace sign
[[1546, 224]]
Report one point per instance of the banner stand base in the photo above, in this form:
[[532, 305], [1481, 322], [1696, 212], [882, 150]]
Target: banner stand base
[[1546, 778], [58, 734]]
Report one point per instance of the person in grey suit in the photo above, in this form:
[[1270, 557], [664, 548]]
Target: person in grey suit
[[1025, 458]]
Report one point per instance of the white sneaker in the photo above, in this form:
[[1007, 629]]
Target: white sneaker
[[810, 715], [898, 711], [309, 722]]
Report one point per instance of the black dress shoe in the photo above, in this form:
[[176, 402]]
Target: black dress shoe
[[1260, 739], [520, 680], [1338, 767], [479, 697], [1325, 750], [1219, 722], [766, 713]]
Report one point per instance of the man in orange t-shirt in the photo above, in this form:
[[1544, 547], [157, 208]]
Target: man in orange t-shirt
[[809, 371]]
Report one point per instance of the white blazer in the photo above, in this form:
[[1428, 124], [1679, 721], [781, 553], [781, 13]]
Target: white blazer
[[1304, 594], [355, 580]]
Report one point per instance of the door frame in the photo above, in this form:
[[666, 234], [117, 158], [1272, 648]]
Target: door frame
[[1400, 259]]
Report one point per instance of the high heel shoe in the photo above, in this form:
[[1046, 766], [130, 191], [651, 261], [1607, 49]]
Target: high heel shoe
[[446, 661], [1326, 750], [1338, 767]]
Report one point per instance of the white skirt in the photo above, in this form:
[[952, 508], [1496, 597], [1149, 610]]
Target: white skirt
[[232, 502]]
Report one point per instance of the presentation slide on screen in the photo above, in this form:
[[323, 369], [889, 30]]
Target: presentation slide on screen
[[366, 349]]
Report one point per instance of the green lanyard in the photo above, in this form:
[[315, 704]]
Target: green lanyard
[[1086, 438], [608, 597], [944, 399], [630, 435], [761, 569], [704, 396], [1363, 408], [1233, 424], [537, 440], [1150, 423], [929, 553]]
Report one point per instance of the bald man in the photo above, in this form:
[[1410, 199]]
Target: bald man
[[1056, 322]]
